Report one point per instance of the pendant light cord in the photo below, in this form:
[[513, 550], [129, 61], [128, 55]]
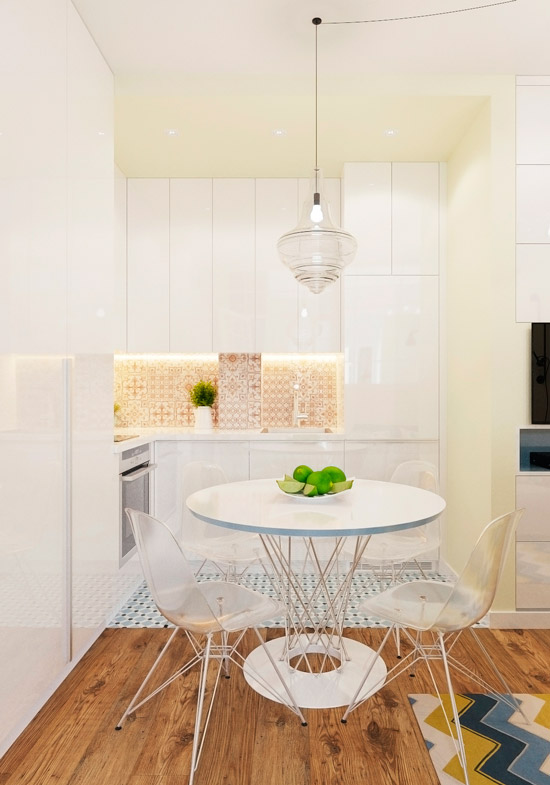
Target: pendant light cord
[[420, 16], [316, 21]]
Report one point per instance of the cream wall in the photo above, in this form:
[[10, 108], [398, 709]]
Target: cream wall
[[487, 372]]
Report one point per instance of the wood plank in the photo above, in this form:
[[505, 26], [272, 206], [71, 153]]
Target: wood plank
[[72, 741]]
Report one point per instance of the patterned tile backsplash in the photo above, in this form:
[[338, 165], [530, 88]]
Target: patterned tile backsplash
[[253, 390]]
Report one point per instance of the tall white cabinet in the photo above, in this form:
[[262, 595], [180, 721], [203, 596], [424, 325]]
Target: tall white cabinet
[[532, 191], [391, 318], [56, 310]]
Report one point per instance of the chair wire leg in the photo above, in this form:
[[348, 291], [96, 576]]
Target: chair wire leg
[[294, 706], [354, 701], [145, 680], [499, 675], [200, 703], [397, 631], [460, 740]]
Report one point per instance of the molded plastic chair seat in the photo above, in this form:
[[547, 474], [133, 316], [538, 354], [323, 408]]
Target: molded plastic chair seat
[[227, 550], [240, 607], [439, 612], [408, 544], [401, 603], [206, 609]]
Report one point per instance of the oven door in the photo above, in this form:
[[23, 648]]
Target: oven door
[[134, 493]]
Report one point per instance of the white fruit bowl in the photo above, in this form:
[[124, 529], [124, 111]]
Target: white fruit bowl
[[316, 499]]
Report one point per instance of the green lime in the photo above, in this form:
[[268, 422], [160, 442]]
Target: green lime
[[338, 487], [301, 473], [310, 490], [290, 486], [321, 480], [336, 474]]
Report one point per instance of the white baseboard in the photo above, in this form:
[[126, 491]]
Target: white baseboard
[[528, 620]]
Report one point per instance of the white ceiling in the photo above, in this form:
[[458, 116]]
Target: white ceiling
[[226, 74]]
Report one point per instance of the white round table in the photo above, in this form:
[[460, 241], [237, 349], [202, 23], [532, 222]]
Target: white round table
[[316, 605]]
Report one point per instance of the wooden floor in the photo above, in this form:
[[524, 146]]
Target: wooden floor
[[251, 740]]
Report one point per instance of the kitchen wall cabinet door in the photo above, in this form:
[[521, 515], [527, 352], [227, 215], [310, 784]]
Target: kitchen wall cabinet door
[[391, 329], [276, 287], [367, 208], [415, 219], [532, 199], [319, 314], [233, 248], [532, 124], [148, 265], [191, 265], [120, 307], [532, 283]]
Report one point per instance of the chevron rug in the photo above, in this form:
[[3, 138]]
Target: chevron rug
[[500, 746]]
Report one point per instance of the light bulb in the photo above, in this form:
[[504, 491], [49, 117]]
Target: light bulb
[[316, 214]]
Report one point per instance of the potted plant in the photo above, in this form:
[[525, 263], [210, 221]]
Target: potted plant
[[202, 395]]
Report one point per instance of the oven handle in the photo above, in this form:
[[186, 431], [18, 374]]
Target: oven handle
[[136, 475]]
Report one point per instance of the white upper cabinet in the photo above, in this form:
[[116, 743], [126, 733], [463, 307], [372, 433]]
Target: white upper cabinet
[[415, 219], [532, 204], [532, 124], [392, 356], [532, 283], [233, 248], [276, 287], [319, 314], [367, 215], [191, 265], [148, 265]]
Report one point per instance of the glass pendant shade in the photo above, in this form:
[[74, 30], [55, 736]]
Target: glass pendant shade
[[316, 251]]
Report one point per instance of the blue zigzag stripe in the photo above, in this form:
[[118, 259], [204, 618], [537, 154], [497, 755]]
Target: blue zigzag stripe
[[519, 750]]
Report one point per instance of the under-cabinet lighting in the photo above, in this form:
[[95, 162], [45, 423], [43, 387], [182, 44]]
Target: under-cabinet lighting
[[171, 357], [300, 358]]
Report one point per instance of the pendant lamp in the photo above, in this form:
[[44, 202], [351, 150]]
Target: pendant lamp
[[317, 250]]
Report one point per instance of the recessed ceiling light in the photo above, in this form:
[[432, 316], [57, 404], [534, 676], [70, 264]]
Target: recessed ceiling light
[[391, 132], [279, 132], [172, 132], [101, 133]]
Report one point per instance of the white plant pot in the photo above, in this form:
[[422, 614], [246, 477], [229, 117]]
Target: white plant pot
[[203, 419]]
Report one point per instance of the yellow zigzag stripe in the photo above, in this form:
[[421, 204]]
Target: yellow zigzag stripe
[[543, 717], [479, 747]]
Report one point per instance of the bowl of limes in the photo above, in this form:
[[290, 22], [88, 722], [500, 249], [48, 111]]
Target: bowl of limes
[[304, 483]]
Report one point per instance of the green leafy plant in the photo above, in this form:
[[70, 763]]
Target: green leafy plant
[[203, 393]]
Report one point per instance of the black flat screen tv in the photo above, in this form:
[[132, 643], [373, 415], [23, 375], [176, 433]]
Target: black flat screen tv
[[540, 373]]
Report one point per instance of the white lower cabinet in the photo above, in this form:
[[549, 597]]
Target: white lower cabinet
[[275, 459], [377, 460], [533, 543]]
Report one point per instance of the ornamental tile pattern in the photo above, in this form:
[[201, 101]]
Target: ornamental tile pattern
[[239, 391], [154, 391], [253, 391], [317, 383]]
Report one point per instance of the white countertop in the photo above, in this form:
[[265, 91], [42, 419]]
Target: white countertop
[[173, 434]]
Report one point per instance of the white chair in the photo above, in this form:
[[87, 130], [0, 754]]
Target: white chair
[[202, 611], [387, 551], [232, 552], [439, 612]]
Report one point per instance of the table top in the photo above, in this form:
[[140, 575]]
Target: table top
[[370, 507]]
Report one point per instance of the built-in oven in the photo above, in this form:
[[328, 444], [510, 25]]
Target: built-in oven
[[135, 492]]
